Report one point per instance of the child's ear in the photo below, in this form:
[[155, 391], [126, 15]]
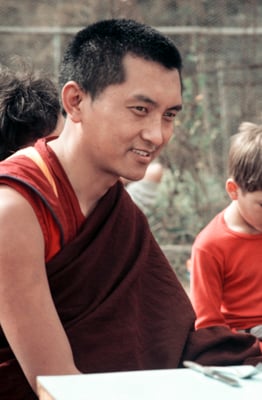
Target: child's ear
[[71, 98], [232, 189]]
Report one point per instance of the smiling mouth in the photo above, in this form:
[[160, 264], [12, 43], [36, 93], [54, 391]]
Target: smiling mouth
[[142, 153]]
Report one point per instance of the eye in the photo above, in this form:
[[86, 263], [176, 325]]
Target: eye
[[139, 110], [170, 115]]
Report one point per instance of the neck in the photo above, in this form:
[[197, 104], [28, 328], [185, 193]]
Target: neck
[[236, 222], [88, 183]]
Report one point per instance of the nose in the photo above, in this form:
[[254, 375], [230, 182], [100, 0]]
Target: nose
[[154, 133]]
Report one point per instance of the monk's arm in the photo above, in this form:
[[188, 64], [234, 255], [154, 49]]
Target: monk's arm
[[27, 314]]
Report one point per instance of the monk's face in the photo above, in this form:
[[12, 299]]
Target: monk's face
[[127, 125]]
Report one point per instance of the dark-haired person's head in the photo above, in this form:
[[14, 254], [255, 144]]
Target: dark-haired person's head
[[94, 58], [29, 109]]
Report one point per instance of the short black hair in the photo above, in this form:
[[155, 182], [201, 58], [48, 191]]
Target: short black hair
[[94, 58]]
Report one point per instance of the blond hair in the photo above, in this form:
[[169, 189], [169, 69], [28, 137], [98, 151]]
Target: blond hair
[[245, 157]]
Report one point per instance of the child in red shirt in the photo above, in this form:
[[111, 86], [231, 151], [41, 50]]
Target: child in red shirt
[[226, 273]]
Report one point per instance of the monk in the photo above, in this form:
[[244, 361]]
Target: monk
[[84, 287]]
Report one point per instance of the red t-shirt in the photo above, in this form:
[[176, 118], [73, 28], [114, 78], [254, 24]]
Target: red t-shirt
[[226, 277]]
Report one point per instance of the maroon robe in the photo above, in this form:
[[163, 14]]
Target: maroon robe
[[121, 303]]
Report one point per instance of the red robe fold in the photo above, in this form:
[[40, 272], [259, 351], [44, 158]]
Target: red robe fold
[[121, 303]]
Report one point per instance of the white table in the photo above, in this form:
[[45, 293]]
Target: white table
[[173, 384]]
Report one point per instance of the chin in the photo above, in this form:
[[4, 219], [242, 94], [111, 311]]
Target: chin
[[137, 178], [134, 175]]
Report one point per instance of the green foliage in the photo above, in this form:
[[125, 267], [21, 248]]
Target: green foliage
[[191, 192]]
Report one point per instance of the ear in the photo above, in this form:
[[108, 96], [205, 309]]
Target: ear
[[71, 98], [232, 189]]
